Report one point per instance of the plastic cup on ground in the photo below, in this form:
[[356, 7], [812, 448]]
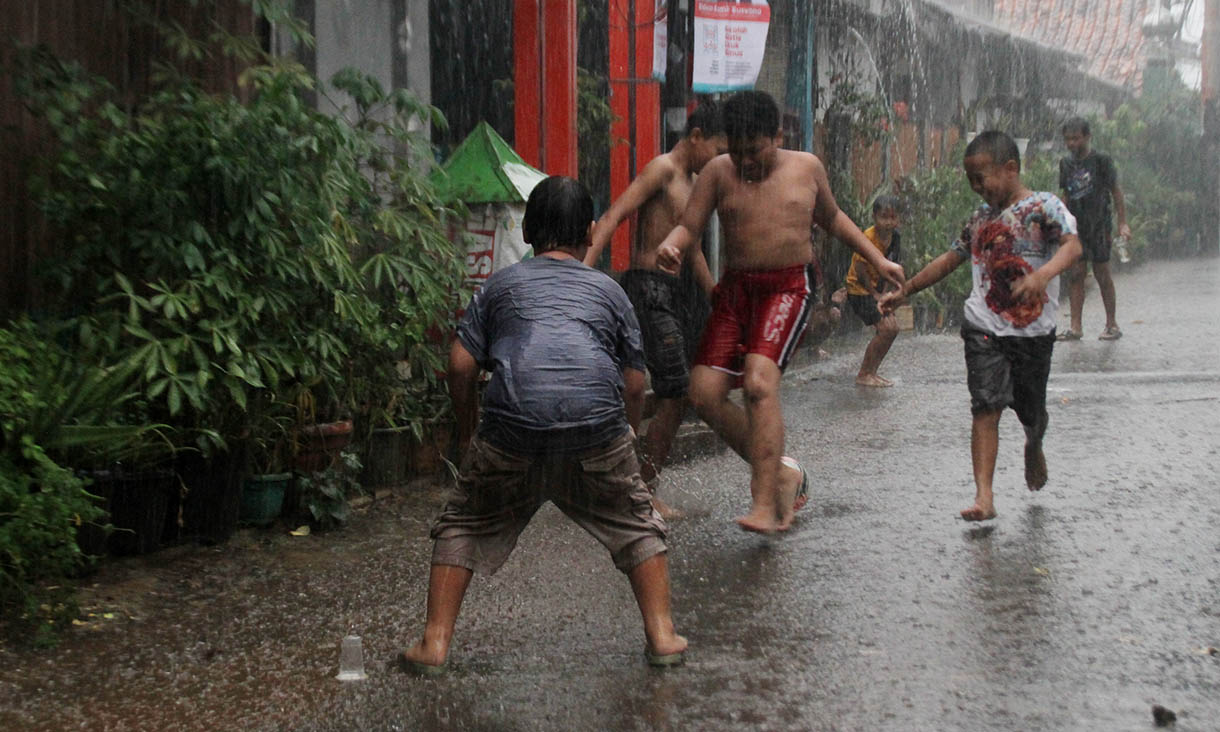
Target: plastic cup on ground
[[351, 660]]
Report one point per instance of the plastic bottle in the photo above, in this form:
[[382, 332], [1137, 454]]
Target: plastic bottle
[[1120, 245]]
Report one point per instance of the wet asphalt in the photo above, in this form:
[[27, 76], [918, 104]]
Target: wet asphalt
[[1079, 608]]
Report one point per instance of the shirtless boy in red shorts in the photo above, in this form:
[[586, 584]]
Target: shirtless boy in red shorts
[[768, 200]]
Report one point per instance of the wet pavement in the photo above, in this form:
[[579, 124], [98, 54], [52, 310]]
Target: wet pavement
[[1079, 608]]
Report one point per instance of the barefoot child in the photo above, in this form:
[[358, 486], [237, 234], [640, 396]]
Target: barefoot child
[[865, 287], [1018, 243], [566, 390], [659, 194], [768, 200]]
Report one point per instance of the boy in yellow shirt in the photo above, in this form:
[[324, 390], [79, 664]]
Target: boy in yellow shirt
[[865, 287]]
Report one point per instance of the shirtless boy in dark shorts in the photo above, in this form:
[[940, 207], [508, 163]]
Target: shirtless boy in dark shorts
[[768, 200], [659, 195]]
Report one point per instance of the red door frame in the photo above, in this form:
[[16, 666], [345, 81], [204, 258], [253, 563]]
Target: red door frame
[[544, 81], [634, 97]]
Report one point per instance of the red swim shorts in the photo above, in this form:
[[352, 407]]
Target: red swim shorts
[[757, 311]]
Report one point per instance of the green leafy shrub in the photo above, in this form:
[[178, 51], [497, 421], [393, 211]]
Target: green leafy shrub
[[326, 493], [234, 248], [41, 505], [41, 502], [936, 203], [1157, 144]]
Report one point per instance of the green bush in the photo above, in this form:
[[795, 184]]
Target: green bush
[[248, 251], [41, 502], [936, 203], [1157, 144]]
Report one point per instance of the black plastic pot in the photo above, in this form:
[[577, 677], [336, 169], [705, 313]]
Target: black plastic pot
[[213, 495], [137, 503]]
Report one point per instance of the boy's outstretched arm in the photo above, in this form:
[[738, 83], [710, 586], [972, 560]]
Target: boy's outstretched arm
[[1033, 285], [698, 208], [937, 270], [828, 215], [463, 379], [653, 178]]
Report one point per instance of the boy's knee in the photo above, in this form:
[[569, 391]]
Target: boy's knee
[[888, 328], [756, 386], [703, 396]]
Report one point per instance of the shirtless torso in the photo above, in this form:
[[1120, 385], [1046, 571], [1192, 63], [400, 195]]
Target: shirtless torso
[[767, 209], [661, 212], [658, 197]]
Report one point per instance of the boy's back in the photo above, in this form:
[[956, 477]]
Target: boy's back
[[555, 336]]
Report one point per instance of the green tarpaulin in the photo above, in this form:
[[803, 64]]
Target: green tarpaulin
[[485, 169]]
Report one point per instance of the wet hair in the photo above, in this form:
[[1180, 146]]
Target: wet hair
[[708, 118], [750, 114], [557, 214], [997, 145], [886, 201], [1076, 124]]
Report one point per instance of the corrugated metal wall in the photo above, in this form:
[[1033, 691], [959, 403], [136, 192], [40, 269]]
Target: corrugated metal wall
[[104, 41]]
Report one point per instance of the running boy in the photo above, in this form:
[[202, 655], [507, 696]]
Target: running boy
[[1018, 242], [660, 194], [1089, 180], [567, 386], [865, 287], [768, 200]]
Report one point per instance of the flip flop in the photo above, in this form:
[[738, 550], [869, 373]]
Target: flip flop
[[1069, 335], [417, 668], [665, 660], [802, 493]]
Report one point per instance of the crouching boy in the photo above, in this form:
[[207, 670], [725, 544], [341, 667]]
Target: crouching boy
[[567, 385], [1018, 242]]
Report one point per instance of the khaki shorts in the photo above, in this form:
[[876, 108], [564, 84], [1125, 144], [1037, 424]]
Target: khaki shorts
[[498, 493]]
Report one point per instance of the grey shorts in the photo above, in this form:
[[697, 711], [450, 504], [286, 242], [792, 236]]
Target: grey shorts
[[1009, 371], [498, 493], [657, 300]]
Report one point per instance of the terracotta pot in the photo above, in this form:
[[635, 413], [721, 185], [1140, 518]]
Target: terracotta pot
[[319, 445]]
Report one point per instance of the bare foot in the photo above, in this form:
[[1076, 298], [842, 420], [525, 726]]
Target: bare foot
[[668, 512], [759, 521], [873, 380], [425, 654], [979, 513], [1035, 466], [674, 643], [789, 491]]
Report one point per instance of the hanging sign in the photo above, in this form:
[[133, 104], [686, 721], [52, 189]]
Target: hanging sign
[[660, 40], [730, 38]]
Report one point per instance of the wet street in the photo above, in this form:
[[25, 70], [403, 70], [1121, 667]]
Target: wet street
[[1078, 608]]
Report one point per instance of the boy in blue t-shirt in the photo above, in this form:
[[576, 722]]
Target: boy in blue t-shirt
[[1018, 243], [558, 417]]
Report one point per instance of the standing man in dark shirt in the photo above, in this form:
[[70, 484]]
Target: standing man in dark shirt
[[566, 393], [1089, 180]]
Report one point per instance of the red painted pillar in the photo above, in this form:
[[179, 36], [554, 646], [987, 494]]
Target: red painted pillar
[[635, 99], [544, 80], [527, 81]]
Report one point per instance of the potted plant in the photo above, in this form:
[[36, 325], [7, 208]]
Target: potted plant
[[325, 494], [268, 450]]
